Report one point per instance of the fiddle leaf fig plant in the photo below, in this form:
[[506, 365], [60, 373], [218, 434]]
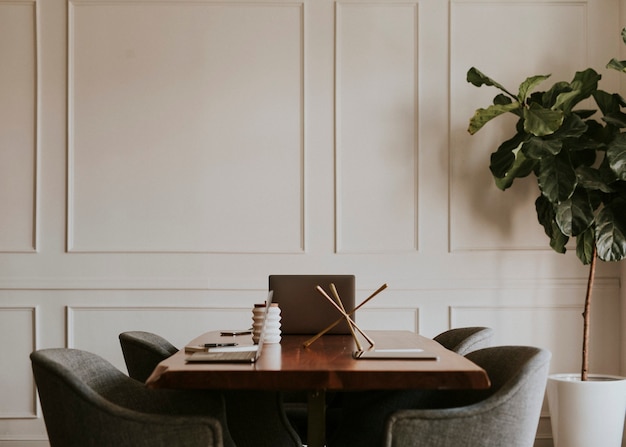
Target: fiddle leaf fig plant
[[578, 157]]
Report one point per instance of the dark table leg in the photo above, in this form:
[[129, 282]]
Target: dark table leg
[[316, 418], [257, 419]]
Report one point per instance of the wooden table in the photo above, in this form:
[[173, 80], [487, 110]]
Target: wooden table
[[326, 365]]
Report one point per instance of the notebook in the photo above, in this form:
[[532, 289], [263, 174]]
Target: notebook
[[304, 310], [395, 354], [236, 354]]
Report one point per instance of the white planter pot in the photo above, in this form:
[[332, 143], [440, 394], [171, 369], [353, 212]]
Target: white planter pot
[[589, 413]]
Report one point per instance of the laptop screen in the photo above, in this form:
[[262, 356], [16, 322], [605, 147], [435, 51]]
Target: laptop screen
[[304, 310]]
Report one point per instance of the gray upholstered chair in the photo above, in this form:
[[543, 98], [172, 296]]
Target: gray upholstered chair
[[87, 402], [143, 351], [465, 339], [362, 415], [507, 414], [255, 418]]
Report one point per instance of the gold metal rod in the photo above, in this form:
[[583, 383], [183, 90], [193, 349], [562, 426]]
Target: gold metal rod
[[371, 342], [333, 289]]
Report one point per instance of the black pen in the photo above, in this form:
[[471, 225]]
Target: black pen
[[217, 345]]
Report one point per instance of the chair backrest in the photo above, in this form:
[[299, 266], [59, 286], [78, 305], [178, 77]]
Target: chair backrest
[[466, 339], [510, 369], [86, 402], [143, 351], [507, 414]]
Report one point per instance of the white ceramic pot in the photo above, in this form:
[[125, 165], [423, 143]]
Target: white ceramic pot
[[589, 413]]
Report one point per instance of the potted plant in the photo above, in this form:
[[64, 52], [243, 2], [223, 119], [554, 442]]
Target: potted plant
[[578, 157]]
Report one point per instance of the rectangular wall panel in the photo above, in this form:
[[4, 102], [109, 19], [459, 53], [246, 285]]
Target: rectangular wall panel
[[96, 329], [18, 125], [18, 327], [376, 126], [175, 90], [556, 328]]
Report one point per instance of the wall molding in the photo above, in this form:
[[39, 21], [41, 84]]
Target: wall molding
[[36, 334], [33, 5], [341, 246], [252, 284], [151, 246]]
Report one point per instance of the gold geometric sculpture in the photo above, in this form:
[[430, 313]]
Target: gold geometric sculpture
[[344, 316]]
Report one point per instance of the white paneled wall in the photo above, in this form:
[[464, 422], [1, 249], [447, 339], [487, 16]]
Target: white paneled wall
[[160, 158]]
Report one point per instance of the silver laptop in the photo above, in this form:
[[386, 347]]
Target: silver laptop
[[395, 354], [237, 354], [304, 310]]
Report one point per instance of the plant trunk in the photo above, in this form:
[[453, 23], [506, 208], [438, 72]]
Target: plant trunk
[[586, 315]]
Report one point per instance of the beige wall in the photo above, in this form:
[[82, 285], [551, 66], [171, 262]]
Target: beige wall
[[159, 159]]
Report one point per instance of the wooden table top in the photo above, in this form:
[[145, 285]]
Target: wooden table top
[[325, 365]]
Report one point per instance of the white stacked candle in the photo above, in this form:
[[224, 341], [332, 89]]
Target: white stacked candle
[[272, 330]]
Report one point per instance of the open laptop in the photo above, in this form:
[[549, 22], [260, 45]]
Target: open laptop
[[304, 310], [237, 354]]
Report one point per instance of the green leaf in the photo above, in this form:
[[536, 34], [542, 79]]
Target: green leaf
[[616, 156], [607, 102], [475, 77], [557, 178], [598, 135], [540, 121], [483, 116], [504, 157], [549, 97], [545, 214], [573, 127], [521, 167], [558, 240], [537, 148], [611, 231], [617, 119], [546, 217], [583, 85], [607, 174], [575, 215], [501, 99], [591, 179], [583, 144], [584, 245], [528, 85], [617, 65], [581, 157], [595, 198], [584, 114], [611, 107]]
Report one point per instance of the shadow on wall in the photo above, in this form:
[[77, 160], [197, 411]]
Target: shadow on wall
[[480, 212]]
